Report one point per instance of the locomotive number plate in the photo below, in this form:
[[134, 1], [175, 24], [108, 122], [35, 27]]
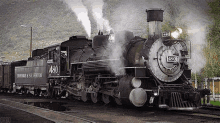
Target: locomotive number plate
[[172, 58]]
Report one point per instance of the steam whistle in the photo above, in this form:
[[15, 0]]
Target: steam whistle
[[100, 33]]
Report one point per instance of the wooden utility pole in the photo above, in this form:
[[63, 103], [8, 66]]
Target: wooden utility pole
[[31, 43]]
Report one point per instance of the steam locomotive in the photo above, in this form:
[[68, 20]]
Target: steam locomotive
[[116, 67]]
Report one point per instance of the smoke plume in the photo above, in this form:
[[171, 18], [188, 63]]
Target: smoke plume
[[96, 9], [81, 12], [116, 63], [117, 49]]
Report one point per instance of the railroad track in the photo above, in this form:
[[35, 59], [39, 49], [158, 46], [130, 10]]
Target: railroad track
[[205, 112], [217, 108], [113, 113]]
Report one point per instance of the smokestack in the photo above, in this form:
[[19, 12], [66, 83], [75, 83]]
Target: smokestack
[[154, 19]]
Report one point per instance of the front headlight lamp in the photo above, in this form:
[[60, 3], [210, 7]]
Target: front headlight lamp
[[136, 83], [176, 33], [155, 93]]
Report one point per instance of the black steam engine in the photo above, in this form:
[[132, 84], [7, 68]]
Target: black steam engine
[[126, 69]]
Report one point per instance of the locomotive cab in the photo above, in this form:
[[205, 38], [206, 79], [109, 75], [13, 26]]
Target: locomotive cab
[[59, 55]]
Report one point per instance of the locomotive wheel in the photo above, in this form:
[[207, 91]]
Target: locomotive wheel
[[95, 97], [25, 92], [105, 98], [36, 92], [44, 93], [52, 93], [57, 96], [84, 96], [118, 101]]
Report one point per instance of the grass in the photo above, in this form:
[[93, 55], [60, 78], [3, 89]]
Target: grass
[[214, 103]]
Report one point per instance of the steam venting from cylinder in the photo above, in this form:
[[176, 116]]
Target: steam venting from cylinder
[[154, 19]]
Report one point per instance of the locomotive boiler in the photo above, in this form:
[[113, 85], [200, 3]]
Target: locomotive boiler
[[125, 69]]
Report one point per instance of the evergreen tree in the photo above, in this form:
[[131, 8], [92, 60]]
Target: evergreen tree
[[212, 52]]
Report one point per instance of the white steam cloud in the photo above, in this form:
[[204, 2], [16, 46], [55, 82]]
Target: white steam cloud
[[82, 14], [116, 55], [197, 22], [197, 37], [96, 7]]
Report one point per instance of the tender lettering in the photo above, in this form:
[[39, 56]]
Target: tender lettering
[[30, 75], [21, 75]]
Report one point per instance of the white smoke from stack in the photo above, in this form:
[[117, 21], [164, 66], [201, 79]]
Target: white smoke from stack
[[97, 12], [82, 14]]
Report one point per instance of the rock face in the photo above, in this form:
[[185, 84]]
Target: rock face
[[51, 21]]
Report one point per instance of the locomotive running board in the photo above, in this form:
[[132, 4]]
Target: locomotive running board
[[164, 106], [186, 108], [59, 76]]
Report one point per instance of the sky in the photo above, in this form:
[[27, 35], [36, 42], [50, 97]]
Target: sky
[[54, 21]]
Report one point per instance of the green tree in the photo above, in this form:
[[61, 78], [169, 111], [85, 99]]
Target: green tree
[[214, 34], [212, 52]]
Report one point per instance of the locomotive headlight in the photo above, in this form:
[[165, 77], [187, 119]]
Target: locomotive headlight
[[156, 94], [136, 83], [176, 33]]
